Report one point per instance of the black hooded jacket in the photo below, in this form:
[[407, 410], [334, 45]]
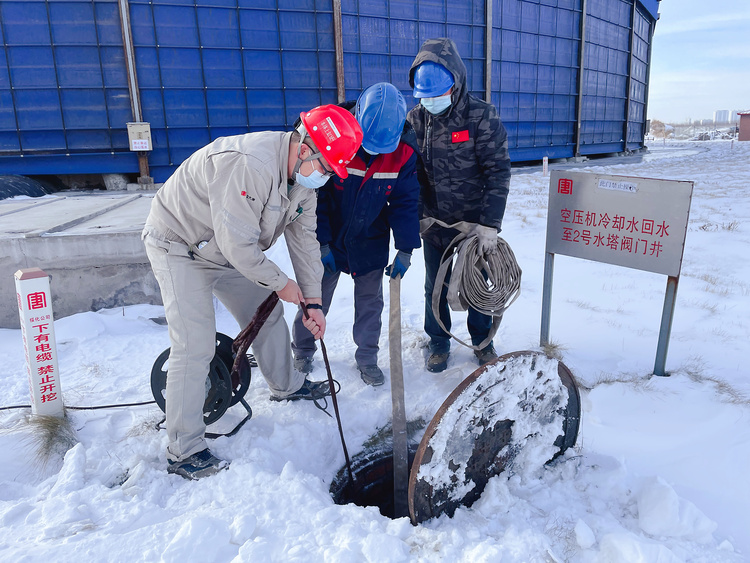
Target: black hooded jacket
[[464, 172]]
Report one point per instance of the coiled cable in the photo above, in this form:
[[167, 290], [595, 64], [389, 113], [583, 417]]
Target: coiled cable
[[488, 283]]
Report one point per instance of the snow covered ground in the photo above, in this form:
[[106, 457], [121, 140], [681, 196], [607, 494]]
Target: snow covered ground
[[659, 472]]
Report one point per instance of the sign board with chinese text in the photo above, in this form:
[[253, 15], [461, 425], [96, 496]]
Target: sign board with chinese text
[[38, 332], [139, 136], [627, 221]]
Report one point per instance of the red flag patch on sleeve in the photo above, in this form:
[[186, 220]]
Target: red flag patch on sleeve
[[460, 136]]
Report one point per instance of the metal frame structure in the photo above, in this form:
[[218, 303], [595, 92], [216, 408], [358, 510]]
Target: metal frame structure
[[558, 70]]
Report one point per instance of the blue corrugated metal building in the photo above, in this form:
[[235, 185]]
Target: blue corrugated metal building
[[570, 77]]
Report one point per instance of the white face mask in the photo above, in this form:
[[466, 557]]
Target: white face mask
[[312, 182], [436, 105], [370, 152], [316, 179]]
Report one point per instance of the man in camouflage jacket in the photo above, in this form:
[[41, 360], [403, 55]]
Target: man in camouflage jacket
[[464, 176]]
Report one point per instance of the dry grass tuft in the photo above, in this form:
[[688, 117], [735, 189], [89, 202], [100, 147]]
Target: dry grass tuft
[[146, 426], [554, 350], [710, 226], [51, 437], [584, 305], [695, 369], [638, 381], [709, 279]]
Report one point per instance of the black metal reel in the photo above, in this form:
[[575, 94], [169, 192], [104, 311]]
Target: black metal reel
[[241, 380], [218, 386]]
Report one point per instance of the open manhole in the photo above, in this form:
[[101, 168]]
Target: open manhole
[[510, 416], [373, 472]]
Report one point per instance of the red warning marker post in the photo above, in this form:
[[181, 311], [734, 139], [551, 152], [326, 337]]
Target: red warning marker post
[[38, 331]]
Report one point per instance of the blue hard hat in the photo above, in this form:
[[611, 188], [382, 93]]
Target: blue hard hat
[[381, 112], [431, 80]]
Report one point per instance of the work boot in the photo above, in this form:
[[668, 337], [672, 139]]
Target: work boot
[[303, 365], [486, 354], [437, 361], [310, 390], [197, 466], [371, 374]]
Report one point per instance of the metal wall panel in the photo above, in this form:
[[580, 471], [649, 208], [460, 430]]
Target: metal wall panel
[[605, 75], [62, 82], [640, 61], [209, 68], [535, 74], [382, 37], [225, 67]]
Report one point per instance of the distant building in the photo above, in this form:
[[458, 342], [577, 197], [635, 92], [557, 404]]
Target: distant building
[[744, 126], [721, 116], [735, 117]]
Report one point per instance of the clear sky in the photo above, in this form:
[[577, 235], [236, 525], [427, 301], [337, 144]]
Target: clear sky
[[700, 59]]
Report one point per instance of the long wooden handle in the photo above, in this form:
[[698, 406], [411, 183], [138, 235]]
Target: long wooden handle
[[400, 439]]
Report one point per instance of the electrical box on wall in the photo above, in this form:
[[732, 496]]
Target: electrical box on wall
[[139, 136]]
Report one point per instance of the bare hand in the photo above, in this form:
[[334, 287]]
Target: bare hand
[[316, 323], [291, 293]]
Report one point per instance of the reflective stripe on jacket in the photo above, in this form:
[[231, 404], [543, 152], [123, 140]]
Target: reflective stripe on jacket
[[356, 215]]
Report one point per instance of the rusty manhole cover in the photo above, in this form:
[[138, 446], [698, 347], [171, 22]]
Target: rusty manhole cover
[[511, 415]]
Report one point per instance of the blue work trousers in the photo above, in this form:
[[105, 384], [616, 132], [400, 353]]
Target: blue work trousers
[[368, 309], [479, 324]]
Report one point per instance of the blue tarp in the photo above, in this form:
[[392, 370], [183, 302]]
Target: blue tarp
[[223, 67]]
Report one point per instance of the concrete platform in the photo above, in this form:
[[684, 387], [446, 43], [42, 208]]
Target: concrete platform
[[88, 242]]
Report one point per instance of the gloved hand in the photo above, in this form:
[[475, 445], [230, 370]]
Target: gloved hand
[[326, 256], [486, 238], [400, 264]]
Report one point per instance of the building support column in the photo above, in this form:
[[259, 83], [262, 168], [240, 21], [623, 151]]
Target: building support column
[[581, 62], [626, 124], [646, 121], [488, 51], [338, 41], [135, 97]]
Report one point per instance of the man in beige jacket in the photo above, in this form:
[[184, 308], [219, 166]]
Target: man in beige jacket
[[206, 234]]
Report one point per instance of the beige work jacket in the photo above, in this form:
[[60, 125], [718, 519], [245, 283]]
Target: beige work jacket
[[230, 201]]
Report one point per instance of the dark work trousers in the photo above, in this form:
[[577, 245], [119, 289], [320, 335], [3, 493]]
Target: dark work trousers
[[478, 323], [368, 309]]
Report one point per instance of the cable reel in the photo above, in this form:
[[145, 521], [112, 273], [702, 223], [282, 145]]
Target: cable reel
[[223, 389]]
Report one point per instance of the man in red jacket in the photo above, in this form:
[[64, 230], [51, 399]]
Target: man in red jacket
[[355, 217]]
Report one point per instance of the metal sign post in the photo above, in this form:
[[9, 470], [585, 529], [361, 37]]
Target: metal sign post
[[634, 222]]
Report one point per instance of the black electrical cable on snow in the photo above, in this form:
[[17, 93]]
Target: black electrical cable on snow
[[92, 408]]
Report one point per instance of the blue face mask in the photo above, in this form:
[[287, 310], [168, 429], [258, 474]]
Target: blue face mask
[[436, 105]]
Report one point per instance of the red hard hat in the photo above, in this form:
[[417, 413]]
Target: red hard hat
[[336, 133]]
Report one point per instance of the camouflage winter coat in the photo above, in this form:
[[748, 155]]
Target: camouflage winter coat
[[465, 168]]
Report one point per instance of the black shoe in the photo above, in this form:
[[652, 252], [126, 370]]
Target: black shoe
[[372, 375], [303, 365], [310, 390], [197, 466], [486, 354], [437, 361]]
